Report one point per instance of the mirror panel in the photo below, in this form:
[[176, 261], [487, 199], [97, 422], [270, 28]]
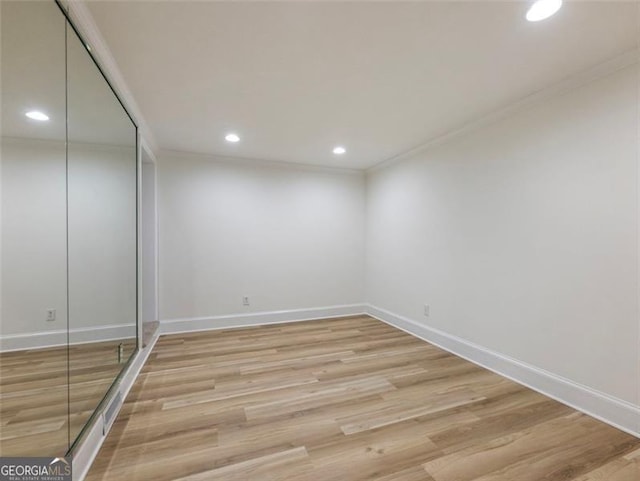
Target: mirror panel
[[102, 217], [69, 187], [33, 341]]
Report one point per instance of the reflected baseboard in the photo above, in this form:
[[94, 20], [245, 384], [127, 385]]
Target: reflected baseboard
[[44, 339]]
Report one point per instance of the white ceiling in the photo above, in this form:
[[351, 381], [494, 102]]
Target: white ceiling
[[294, 79]]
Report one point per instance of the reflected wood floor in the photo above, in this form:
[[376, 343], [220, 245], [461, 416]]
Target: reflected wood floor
[[345, 399], [35, 387]]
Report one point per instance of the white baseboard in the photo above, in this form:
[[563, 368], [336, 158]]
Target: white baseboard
[[87, 451], [44, 339], [175, 326], [616, 412]]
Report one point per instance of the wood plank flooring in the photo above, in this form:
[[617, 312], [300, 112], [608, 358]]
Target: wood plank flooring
[[345, 399], [39, 388]]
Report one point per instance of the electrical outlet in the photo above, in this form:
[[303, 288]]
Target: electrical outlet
[[426, 310], [245, 300], [51, 315]]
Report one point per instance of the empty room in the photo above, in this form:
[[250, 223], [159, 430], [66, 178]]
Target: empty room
[[319, 240]]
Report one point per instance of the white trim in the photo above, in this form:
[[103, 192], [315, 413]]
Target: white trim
[[601, 70], [174, 326], [83, 335], [611, 410], [87, 451], [139, 237], [151, 159], [147, 148]]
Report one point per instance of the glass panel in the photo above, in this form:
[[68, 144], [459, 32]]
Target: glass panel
[[33, 317], [102, 203]]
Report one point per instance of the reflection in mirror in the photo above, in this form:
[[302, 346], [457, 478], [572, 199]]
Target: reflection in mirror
[[33, 318], [68, 153], [102, 202]]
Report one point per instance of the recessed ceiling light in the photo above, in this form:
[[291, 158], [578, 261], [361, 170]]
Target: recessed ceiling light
[[231, 138], [542, 9], [37, 115], [339, 150]]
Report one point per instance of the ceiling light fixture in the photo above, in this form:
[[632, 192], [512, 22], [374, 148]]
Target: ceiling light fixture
[[37, 115], [232, 138], [542, 9], [339, 150]]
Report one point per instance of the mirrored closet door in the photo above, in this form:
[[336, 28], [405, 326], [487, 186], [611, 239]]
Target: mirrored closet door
[[69, 287]]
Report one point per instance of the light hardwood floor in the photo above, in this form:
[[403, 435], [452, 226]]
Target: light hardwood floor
[[345, 399], [47, 395]]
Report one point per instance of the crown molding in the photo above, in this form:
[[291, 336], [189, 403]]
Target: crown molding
[[572, 82]]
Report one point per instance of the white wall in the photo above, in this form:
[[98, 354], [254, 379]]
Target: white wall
[[287, 237], [522, 236], [102, 242]]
